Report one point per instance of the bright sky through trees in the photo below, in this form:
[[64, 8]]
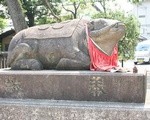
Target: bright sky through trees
[[126, 6]]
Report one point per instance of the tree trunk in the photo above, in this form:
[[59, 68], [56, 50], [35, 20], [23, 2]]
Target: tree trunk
[[16, 14], [31, 19]]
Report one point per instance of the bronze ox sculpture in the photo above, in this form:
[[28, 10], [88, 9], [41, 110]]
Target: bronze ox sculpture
[[62, 46]]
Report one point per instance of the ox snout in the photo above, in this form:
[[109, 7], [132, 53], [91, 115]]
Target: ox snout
[[118, 27]]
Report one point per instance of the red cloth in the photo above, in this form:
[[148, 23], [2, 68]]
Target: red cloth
[[99, 60]]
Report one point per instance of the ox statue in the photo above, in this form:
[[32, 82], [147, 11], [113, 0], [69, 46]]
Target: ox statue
[[62, 46]]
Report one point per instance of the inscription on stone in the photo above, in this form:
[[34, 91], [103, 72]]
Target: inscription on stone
[[13, 87], [96, 86]]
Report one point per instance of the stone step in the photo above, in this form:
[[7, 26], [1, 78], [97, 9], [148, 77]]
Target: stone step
[[17, 109], [73, 85]]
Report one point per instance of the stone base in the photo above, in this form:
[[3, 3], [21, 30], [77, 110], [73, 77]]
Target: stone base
[[71, 110], [73, 85]]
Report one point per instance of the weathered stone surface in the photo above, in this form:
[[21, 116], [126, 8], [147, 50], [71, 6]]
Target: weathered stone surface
[[71, 110], [62, 45], [73, 85]]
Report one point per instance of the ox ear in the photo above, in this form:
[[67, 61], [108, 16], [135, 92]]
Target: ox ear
[[92, 22]]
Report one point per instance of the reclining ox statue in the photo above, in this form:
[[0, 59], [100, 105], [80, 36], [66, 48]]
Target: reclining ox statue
[[62, 46]]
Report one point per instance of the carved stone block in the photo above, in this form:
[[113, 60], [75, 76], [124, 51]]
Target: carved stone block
[[73, 85]]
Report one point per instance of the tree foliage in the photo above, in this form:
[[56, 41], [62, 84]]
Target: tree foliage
[[103, 3], [3, 13], [2, 23], [39, 11], [53, 8], [2, 17], [30, 7], [136, 1], [128, 42], [75, 7]]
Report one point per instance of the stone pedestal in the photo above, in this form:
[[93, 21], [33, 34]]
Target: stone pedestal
[[73, 85], [14, 109]]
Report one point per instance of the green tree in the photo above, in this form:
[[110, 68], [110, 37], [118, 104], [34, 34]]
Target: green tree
[[136, 1], [52, 6], [2, 23], [29, 7], [2, 18], [128, 42], [16, 14], [103, 4], [39, 10], [74, 7]]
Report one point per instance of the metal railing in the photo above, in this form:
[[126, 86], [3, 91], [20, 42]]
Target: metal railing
[[3, 59]]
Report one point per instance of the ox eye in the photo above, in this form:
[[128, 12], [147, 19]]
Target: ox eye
[[105, 24]]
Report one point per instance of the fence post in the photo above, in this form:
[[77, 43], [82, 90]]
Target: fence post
[[3, 59]]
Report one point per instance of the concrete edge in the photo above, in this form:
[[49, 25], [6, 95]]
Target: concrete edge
[[64, 72], [80, 104]]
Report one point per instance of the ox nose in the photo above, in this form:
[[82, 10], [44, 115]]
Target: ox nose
[[119, 24]]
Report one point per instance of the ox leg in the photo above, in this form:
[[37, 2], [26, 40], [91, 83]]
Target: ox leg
[[79, 62], [69, 64], [27, 64], [22, 58]]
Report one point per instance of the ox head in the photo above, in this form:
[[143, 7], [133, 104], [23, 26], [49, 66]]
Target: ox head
[[106, 33]]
